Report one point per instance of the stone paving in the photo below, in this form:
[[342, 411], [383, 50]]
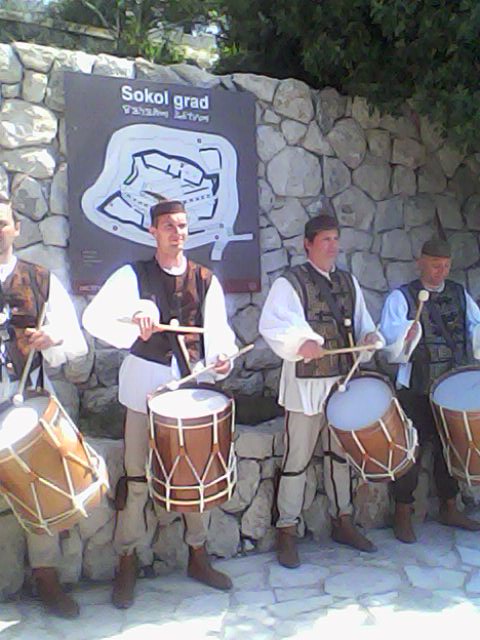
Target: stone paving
[[398, 590]]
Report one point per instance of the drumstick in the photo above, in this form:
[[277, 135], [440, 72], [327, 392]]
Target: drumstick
[[181, 343], [18, 398], [343, 386], [159, 326], [348, 326], [360, 347], [423, 296], [174, 384]]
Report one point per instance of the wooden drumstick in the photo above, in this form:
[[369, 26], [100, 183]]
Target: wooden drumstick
[[343, 386], [160, 327], [174, 384], [181, 342], [18, 398], [348, 326], [423, 296], [360, 347]]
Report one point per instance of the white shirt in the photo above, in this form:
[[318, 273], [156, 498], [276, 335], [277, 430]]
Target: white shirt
[[61, 323], [395, 325], [118, 299], [285, 329]]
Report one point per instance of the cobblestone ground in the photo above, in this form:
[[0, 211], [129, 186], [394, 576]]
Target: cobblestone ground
[[432, 586]]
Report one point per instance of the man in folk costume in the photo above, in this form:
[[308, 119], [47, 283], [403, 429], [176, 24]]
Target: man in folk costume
[[448, 331], [303, 315], [25, 289], [165, 287]]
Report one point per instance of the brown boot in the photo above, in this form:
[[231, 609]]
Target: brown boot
[[452, 517], [287, 554], [54, 598], [345, 532], [124, 582], [200, 569], [402, 523]]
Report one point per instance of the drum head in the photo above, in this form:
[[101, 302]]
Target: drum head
[[364, 402], [188, 403], [17, 422], [459, 391]]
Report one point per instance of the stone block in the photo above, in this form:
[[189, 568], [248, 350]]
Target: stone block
[[354, 208], [223, 538], [336, 176], [55, 231], [369, 271], [389, 215], [10, 67], [33, 161], [373, 177], [419, 210], [12, 554], [316, 142], [431, 178], [293, 131], [450, 159], [256, 520], [34, 86], [295, 172], [404, 181], [348, 141], [465, 251], [408, 152], [289, 219], [293, 100], [269, 142], [35, 56], [247, 484], [330, 107], [261, 86], [23, 124]]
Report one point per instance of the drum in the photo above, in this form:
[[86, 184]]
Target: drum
[[455, 400], [191, 464], [367, 420], [48, 474]]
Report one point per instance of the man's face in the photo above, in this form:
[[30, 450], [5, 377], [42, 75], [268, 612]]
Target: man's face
[[170, 232], [9, 230], [323, 249], [433, 271]]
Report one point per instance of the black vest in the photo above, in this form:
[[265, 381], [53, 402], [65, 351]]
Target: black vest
[[185, 296], [435, 354], [310, 286]]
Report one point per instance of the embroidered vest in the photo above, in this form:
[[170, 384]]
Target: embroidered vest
[[310, 286], [25, 290], [435, 354], [185, 296]]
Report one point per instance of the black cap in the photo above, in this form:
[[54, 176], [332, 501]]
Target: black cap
[[164, 206], [437, 248]]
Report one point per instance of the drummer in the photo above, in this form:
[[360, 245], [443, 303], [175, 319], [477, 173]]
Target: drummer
[[448, 330], [166, 286], [303, 315], [25, 287]]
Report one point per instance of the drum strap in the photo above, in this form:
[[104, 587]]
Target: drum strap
[[121, 490]]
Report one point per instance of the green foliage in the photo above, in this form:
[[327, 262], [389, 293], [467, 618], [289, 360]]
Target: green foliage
[[426, 52], [130, 22]]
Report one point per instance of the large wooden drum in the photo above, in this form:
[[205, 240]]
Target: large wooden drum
[[379, 441], [191, 465], [49, 475], [455, 400]]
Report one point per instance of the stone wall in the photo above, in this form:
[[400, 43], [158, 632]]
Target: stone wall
[[386, 179]]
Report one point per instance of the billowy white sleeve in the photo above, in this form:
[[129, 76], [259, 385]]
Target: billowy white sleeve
[[108, 314], [363, 322], [61, 324], [394, 326], [219, 337], [473, 324], [283, 323]]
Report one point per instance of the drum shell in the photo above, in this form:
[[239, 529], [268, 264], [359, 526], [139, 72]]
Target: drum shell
[[198, 447], [453, 433], [376, 446], [46, 460]]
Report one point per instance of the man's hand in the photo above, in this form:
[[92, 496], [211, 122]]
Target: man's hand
[[371, 338], [222, 365], [311, 350], [39, 340], [145, 323], [413, 332]]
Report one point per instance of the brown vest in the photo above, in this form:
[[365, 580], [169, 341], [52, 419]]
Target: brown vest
[[25, 290], [185, 296], [310, 286]]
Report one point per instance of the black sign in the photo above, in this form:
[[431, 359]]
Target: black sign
[[126, 138]]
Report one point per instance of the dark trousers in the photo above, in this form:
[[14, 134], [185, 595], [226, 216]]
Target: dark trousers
[[418, 409]]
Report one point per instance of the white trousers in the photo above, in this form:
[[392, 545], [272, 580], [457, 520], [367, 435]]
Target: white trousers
[[131, 525], [301, 435]]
